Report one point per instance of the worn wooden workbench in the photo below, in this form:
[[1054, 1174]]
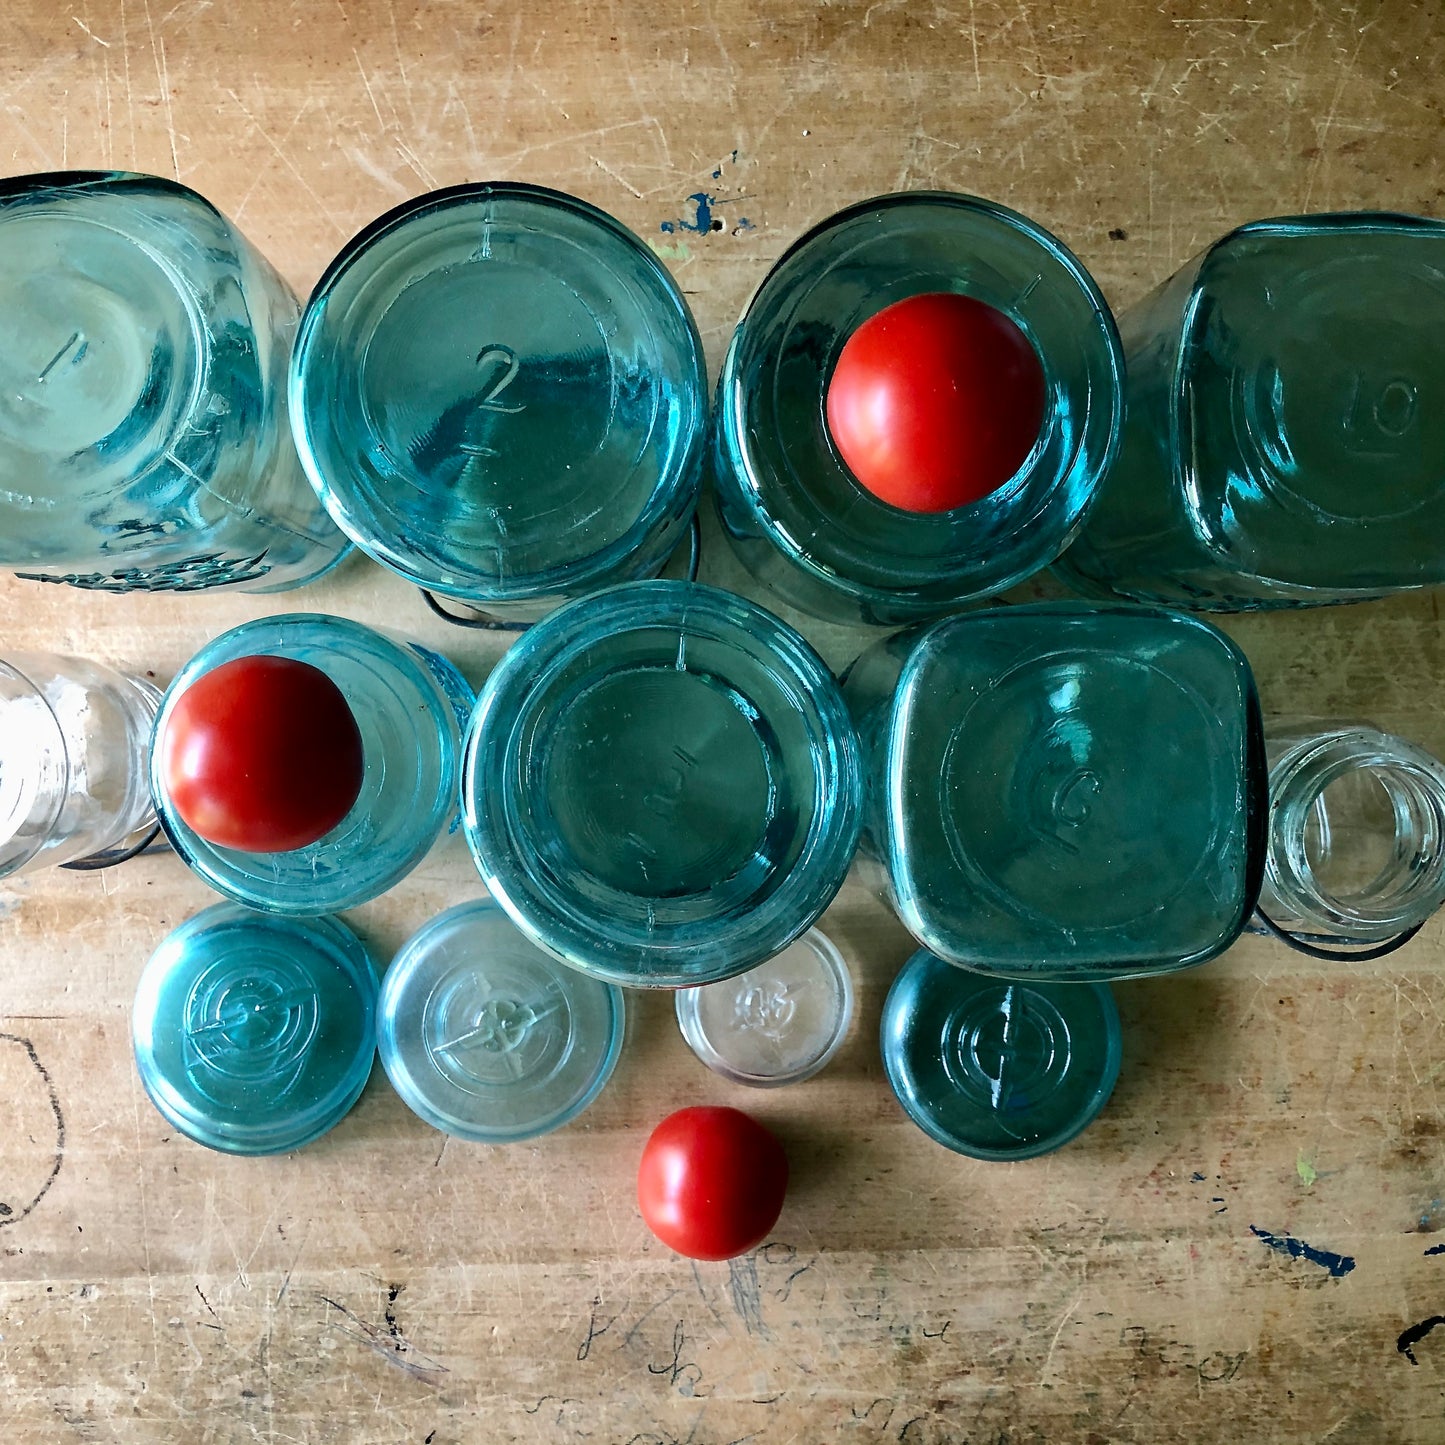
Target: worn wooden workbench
[[383, 1285]]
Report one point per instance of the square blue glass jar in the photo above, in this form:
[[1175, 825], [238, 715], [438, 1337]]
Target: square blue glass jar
[[1065, 791], [1285, 438]]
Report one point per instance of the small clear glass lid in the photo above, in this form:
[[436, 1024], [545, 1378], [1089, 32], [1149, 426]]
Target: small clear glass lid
[[255, 1034], [997, 1069], [487, 1037], [778, 1023]]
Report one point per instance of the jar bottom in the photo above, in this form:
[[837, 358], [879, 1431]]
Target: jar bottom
[[660, 783]]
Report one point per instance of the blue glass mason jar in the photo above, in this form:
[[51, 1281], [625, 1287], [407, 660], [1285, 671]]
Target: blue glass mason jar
[[1356, 833], [799, 520], [144, 443], [661, 785], [256, 1035], [411, 707], [1285, 442], [499, 393], [1064, 791]]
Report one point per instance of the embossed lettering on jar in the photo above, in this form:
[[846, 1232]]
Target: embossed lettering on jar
[[1285, 434]]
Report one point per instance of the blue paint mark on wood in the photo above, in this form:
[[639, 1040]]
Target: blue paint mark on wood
[[1412, 1337], [1435, 1249], [1337, 1264]]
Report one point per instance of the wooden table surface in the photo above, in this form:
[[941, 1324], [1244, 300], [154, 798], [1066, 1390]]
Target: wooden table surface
[[387, 1285]]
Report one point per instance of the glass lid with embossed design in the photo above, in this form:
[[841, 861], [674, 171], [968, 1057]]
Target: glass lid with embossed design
[[486, 1037], [255, 1034], [778, 1023], [997, 1069]]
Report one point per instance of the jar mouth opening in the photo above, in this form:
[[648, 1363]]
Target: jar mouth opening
[[407, 716], [1357, 836], [787, 474]]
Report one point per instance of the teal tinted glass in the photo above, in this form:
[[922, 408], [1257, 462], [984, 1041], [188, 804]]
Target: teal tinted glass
[[255, 1035], [998, 1070], [488, 1038], [1065, 791], [144, 441], [662, 785], [500, 393], [798, 519], [1285, 441], [411, 706]]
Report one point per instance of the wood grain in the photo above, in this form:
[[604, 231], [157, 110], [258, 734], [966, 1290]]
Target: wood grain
[[386, 1286]]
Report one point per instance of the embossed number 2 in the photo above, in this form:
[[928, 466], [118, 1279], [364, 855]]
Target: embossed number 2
[[499, 363]]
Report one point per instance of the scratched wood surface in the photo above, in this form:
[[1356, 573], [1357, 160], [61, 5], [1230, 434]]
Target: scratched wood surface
[[384, 1286]]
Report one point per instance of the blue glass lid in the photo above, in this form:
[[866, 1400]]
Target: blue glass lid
[[997, 1069], [255, 1034], [486, 1037]]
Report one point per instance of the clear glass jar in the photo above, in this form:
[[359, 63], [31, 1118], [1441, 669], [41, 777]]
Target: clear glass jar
[[1356, 833], [500, 393], [661, 785], [1286, 422], [411, 706], [778, 1023], [793, 511], [1064, 791], [73, 740], [144, 443]]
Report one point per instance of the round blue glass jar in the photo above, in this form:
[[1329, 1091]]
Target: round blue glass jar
[[799, 520], [661, 784], [255, 1035], [486, 1037], [499, 393], [996, 1069], [411, 706]]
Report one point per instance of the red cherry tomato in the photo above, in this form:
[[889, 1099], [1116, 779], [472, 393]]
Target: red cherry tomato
[[935, 402], [711, 1182], [262, 754]]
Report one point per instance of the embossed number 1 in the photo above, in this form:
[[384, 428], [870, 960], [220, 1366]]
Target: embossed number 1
[[500, 365]]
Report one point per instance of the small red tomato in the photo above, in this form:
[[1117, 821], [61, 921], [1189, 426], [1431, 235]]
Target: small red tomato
[[711, 1182], [936, 401], [262, 754]]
